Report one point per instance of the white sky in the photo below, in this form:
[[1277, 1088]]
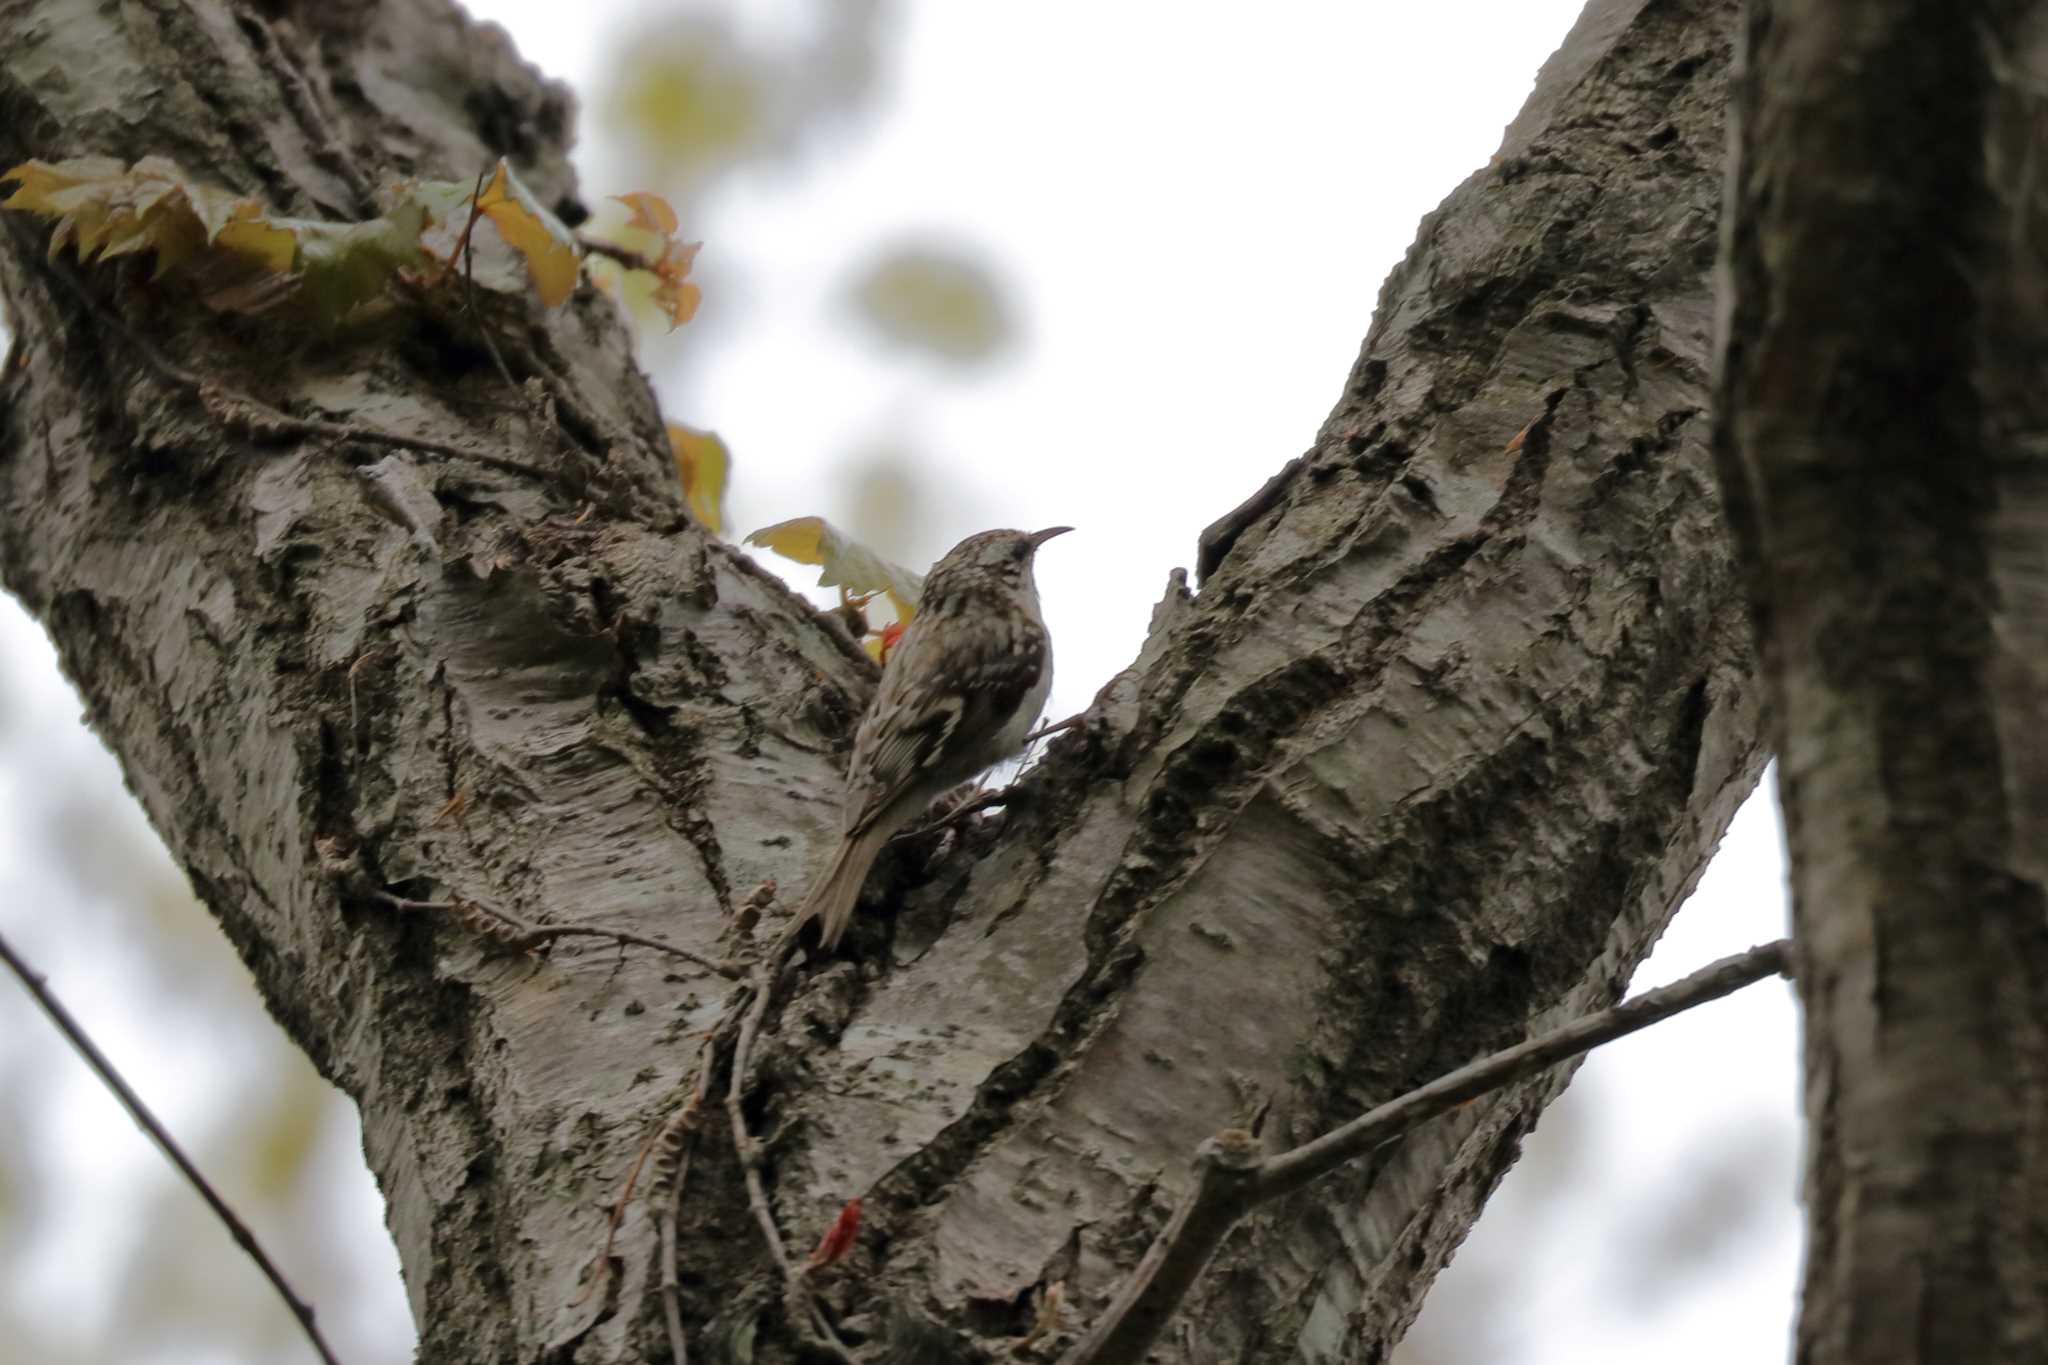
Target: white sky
[[1194, 213]]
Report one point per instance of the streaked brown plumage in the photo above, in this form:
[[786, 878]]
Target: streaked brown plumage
[[960, 692]]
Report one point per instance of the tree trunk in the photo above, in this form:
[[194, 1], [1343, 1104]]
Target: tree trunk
[[1460, 711], [1882, 400]]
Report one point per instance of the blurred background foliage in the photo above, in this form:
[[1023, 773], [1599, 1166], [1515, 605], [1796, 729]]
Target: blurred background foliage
[[935, 300], [699, 92], [105, 1255], [724, 108]]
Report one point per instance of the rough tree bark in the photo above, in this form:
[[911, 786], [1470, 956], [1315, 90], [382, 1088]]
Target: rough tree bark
[[1461, 709], [1883, 409]]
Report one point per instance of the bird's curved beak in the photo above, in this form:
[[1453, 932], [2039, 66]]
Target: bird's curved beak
[[1038, 538]]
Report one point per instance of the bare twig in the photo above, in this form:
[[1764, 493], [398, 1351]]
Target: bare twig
[[624, 255], [672, 1139], [469, 280], [1057, 727], [355, 718], [520, 936], [75, 1034], [672, 1169], [476, 211], [602, 1265], [671, 1289], [535, 935], [803, 1304], [957, 816], [669, 1145], [985, 800], [744, 1146], [821, 1338], [1231, 1178]]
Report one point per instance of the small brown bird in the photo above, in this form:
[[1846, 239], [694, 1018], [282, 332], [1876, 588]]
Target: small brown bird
[[958, 695]]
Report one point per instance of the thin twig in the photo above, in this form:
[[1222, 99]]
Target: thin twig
[[469, 280], [355, 731], [671, 1289], [821, 1337], [667, 1143], [744, 1147], [538, 934], [603, 1263], [959, 815], [1001, 796], [1231, 1179], [1057, 727], [796, 1286], [522, 937], [674, 1138], [75, 1034], [623, 255]]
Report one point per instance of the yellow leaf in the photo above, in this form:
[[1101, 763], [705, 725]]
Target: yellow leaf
[[842, 561], [253, 238], [651, 213], [673, 293], [703, 463], [42, 180], [212, 205], [103, 208], [801, 539], [253, 258], [533, 232]]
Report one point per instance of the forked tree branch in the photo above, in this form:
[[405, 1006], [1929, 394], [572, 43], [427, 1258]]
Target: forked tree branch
[[75, 1034], [671, 717], [1232, 1179]]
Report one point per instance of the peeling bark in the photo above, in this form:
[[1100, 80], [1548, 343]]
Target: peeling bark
[[1460, 710], [1882, 401]]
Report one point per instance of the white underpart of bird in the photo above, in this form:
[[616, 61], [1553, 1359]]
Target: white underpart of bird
[[960, 692]]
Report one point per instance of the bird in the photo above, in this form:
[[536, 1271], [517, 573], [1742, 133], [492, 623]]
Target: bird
[[958, 695]]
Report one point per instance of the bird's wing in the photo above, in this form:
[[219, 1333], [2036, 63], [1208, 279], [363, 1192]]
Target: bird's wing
[[943, 697]]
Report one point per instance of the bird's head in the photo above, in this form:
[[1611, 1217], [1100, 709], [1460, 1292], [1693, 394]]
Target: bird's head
[[1004, 556]]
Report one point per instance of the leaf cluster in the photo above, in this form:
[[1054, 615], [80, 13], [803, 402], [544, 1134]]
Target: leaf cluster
[[245, 258]]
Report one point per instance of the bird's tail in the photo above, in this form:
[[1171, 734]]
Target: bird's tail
[[835, 894]]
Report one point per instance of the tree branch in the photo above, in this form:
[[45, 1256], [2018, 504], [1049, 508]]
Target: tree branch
[[75, 1034], [1884, 275], [1426, 670], [1231, 1179]]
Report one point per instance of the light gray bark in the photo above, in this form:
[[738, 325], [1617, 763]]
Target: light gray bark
[[1883, 408], [1449, 731]]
